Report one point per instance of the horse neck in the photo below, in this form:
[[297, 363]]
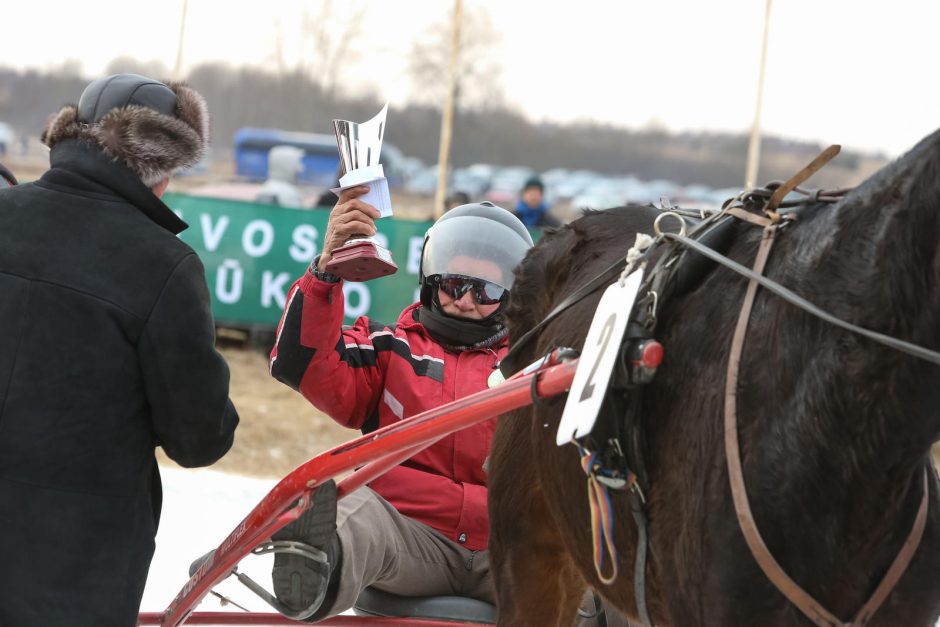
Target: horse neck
[[820, 402], [814, 401], [875, 262]]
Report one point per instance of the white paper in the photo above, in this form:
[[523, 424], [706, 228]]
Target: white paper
[[361, 176], [374, 177]]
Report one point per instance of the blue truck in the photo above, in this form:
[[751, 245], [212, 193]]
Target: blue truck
[[320, 161]]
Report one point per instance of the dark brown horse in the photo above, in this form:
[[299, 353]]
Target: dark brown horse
[[835, 430]]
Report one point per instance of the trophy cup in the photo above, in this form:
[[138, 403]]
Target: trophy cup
[[361, 258]]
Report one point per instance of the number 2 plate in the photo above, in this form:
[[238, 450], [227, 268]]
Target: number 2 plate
[[597, 359]]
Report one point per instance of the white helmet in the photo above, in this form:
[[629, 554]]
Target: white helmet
[[478, 231]]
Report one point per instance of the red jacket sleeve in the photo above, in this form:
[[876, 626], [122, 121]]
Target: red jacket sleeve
[[337, 369]]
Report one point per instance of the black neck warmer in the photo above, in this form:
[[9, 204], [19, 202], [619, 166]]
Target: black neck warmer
[[462, 334]]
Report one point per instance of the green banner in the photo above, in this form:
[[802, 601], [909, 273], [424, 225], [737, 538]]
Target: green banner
[[253, 254]]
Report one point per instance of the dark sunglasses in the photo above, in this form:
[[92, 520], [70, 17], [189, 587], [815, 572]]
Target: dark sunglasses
[[456, 285]]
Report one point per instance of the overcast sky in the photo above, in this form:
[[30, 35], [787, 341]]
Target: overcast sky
[[862, 74]]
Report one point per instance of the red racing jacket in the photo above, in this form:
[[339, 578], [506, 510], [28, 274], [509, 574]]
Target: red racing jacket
[[371, 375]]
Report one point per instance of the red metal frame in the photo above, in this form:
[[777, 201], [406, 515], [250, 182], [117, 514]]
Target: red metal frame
[[234, 619], [376, 453]]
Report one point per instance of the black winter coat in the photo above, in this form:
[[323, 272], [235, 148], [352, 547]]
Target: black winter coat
[[106, 351]]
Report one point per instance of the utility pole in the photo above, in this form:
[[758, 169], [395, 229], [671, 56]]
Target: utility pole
[[753, 149], [178, 68], [447, 115]]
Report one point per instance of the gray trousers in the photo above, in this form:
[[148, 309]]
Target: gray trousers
[[385, 550], [391, 552]]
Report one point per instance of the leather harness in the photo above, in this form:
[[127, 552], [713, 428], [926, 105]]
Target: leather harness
[[772, 569], [771, 222], [671, 276]]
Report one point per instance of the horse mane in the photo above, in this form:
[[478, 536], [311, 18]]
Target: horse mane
[[567, 256], [890, 175]]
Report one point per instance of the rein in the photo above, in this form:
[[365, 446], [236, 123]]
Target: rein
[[508, 365], [791, 297]]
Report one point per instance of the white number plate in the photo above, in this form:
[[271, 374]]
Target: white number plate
[[597, 359]]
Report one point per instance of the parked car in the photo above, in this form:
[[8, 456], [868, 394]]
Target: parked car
[[473, 184], [424, 183], [507, 183], [574, 183]]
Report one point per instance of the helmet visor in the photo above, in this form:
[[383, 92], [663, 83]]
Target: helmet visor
[[474, 247]]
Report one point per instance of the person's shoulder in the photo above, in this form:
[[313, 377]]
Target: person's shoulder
[[408, 319], [162, 249]]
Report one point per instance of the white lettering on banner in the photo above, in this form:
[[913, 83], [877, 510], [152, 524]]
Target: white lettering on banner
[[382, 239], [263, 247], [304, 248], [274, 288], [417, 294], [415, 244], [363, 299], [212, 235], [229, 279]]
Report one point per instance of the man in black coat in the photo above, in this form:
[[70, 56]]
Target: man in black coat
[[107, 349]]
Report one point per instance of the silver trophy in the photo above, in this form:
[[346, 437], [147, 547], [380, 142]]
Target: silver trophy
[[361, 258], [360, 144]]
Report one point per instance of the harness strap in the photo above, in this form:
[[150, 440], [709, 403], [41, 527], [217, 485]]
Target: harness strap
[[822, 159], [899, 565], [771, 568], [601, 518], [639, 566], [602, 527], [747, 216], [791, 297]]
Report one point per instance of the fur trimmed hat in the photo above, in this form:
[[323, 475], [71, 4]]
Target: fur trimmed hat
[[154, 128]]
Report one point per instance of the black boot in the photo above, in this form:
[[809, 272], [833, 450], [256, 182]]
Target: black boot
[[300, 583]]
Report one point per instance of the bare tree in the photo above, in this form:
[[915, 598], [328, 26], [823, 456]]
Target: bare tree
[[153, 69], [478, 80], [67, 68], [276, 41], [328, 41], [247, 96]]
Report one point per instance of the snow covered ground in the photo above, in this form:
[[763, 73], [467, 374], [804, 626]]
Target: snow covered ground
[[200, 508]]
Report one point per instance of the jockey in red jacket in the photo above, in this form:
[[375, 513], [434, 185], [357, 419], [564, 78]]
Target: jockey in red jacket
[[422, 528]]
